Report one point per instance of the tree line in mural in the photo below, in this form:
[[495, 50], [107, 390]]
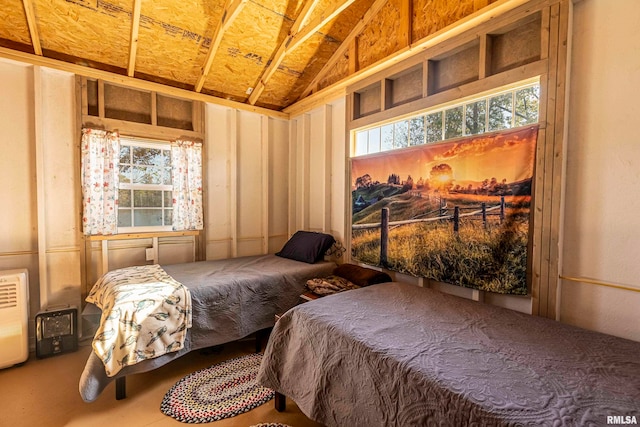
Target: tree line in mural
[[486, 249]]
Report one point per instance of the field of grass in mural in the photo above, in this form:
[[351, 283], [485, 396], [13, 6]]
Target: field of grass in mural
[[463, 222]]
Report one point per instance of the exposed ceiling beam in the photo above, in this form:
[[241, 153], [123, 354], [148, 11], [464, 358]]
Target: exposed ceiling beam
[[231, 10], [355, 32], [312, 27], [135, 27], [406, 22], [33, 27], [308, 7]]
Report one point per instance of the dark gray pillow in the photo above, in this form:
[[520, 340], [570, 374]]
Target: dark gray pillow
[[307, 246]]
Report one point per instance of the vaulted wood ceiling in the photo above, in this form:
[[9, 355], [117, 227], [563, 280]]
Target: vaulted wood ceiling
[[268, 53]]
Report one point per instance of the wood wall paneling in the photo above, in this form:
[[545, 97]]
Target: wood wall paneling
[[278, 184]]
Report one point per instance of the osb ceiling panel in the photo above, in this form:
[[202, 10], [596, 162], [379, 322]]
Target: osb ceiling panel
[[95, 30], [172, 37], [382, 37], [246, 49], [14, 23], [441, 14], [175, 37], [307, 61]]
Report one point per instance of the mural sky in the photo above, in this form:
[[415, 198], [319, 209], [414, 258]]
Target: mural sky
[[472, 160]]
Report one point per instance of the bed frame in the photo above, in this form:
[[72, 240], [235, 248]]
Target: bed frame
[[261, 337]]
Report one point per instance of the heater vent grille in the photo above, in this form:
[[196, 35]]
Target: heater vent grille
[[8, 295], [14, 317]]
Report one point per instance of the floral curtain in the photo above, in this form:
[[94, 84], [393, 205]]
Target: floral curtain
[[100, 154], [186, 165]]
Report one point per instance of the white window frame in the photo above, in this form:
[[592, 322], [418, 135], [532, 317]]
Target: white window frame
[[360, 137], [145, 143]]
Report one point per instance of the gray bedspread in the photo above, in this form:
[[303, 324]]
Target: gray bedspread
[[399, 355], [230, 298]]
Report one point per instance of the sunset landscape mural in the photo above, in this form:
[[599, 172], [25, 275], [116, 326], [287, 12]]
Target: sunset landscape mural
[[455, 212]]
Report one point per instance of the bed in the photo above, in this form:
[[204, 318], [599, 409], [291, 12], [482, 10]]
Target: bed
[[399, 355], [230, 299]]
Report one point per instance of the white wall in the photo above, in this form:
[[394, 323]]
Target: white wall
[[247, 183], [602, 221], [319, 170], [40, 217], [18, 217]]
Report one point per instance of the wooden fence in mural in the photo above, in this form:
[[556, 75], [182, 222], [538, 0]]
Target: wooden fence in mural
[[453, 214]]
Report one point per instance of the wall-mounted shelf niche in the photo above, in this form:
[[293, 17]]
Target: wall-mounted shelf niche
[[144, 113], [496, 53], [453, 68], [367, 100], [405, 86]]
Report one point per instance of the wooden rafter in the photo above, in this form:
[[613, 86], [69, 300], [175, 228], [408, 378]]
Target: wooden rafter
[[231, 10], [319, 22], [33, 27], [406, 22], [346, 43], [135, 27], [308, 7]]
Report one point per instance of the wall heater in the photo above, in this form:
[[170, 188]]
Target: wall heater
[[14, 317]]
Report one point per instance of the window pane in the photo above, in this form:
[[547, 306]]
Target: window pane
[[374, 140], [416, 131], [168, 199], [453, 122], [147, 198], [125, 174], [124, 217], [168, 217], [166, 177], [149, 156], [476, 116], [527, 105], [147, 217], [124, 198], [125, 154], [401, 134], [361, 143], [500, 112], [387, 137], [434, 127], [150, 175]]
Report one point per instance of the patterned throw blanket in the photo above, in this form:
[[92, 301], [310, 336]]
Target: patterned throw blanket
[[145, 314]]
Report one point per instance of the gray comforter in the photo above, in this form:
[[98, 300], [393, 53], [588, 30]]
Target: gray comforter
[[399, 355], [231, 299]]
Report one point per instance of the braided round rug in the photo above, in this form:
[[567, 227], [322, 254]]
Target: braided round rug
[[220, 391]]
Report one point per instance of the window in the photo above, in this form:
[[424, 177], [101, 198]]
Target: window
[[145, 191], [510, 107]]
